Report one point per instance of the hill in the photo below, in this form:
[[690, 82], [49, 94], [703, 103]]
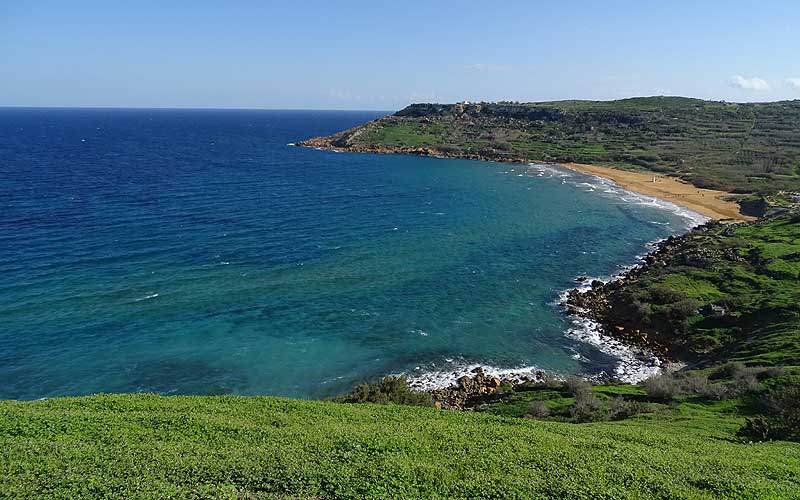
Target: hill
[[719, 293], [739, 148]]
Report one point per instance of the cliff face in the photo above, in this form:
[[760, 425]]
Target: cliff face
[[742, 148]]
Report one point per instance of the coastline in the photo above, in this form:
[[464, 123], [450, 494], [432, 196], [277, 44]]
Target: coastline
[[707, 202]]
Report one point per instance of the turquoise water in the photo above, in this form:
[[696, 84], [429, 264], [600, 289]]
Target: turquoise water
[[196, 252]]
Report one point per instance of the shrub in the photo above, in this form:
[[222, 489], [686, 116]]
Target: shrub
[[716, 392], [537, 409], [728, 370], [578, 386], [388, 390], [770, 372], [506, 387], [683, 309], [661, 387], [620, 409], [780, 418], [747, 383], [693, 382], [549, 381], [642, 311], [586, 408], [663, 294]]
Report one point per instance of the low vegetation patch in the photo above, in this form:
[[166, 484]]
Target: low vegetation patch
[[387, 390], [779, 414]]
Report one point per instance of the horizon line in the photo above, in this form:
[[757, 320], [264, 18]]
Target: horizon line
[[253, 108], [184, 108]]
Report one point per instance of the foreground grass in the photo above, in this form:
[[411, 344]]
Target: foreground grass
[[233, 447]]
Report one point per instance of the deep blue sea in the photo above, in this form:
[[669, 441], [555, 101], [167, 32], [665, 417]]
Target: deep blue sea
[[198, 252]]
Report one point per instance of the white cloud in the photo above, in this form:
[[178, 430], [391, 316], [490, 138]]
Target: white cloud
[[753, 83], [489, 68], [794, 83]]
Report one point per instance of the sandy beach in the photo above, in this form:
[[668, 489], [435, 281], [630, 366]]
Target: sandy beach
[[708, 202]]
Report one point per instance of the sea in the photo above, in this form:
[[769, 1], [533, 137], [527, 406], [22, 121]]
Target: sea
[[201, 252]]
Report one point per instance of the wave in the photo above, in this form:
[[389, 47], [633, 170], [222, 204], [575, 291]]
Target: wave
[[424, 379], [634, 364], [608, 188], [146, 297]]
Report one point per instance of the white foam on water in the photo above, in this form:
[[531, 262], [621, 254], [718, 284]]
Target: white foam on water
[[147, 297], [634, 364], [608, 188], [431, 378]]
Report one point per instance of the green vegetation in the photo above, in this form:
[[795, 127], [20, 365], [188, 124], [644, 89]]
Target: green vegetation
[[779, 417], [742, 148], [387, 390], [142, 446], [724, 293], [407, 134]]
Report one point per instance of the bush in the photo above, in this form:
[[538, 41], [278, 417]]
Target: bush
[[716, 392], [780, 418], [693, 382], [549, 381], [388, 390], [662, 294], [728, 370], [506, 387], [537, 409], [683, 309], [661, 387], [770, 372], [586, 408], [578, 386], [620, 409], [747, 383]]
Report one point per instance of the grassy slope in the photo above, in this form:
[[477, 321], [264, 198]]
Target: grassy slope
[[150, 446], [733, 147], [751, 271]]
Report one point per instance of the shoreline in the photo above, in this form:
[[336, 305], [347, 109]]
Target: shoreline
[[707, 202]]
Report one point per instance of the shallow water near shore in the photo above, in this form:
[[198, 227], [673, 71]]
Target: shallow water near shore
[[197, 252]]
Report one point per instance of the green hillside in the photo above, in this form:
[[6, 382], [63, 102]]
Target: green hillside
[[142, 446], [744, 148], [719, 293]]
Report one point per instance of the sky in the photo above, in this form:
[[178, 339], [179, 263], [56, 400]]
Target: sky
[[385, 55]]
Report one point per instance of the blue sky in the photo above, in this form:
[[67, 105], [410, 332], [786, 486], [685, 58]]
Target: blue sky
[[384, 55]]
